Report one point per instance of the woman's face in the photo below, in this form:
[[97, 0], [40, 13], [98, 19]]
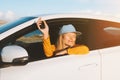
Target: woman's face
[[69, 39]]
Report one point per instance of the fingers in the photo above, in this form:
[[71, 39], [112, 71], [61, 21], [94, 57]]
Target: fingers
[[45, 23], [39, 23], [44, 30]]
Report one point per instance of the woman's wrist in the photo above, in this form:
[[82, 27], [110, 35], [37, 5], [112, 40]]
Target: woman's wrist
[[45, 36]]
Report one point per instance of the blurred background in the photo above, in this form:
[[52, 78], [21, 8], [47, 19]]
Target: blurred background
[[13, 9]]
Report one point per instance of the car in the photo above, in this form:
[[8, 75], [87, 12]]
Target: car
[[22, 56]]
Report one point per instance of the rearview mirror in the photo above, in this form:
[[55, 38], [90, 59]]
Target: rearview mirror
[[14, 54]]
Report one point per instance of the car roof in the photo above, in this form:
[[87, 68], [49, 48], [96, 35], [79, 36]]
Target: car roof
[[81, 15], [58, 16]]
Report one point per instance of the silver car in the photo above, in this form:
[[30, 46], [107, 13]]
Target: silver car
[[22, 56]]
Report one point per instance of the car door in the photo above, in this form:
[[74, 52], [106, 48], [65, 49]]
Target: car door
[[111, 55], [110, 63], [107, 41], [89, 67], [71, 67]]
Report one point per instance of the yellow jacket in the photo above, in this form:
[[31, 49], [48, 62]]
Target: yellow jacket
[[49, 49]]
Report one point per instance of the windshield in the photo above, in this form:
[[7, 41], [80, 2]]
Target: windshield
[[10, 25]]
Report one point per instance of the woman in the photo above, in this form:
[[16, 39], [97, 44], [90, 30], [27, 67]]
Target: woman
[[66, 41]]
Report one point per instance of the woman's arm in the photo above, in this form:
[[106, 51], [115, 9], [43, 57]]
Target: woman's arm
[[48, 48], [79, 49]]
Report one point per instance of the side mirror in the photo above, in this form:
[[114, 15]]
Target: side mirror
[[14, 54]]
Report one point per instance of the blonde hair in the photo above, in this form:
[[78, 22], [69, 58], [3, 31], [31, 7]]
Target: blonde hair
[[59, 43]]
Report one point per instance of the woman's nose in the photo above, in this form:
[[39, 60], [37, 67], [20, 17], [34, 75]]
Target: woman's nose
[[71, 39]]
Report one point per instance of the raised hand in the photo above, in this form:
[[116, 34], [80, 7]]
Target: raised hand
[[44, 30]]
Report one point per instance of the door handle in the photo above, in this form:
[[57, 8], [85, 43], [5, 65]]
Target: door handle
[[92, 65]]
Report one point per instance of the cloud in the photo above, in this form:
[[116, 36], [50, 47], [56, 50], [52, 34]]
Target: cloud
[[7, 16], [110, 7], [100, 1], [114, 2], [10, 15], [1, 15], [84, 1], [94, 12], [104, 3]]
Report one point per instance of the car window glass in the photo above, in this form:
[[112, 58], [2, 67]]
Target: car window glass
[[32, 37], [32, 42], [10, 25], [113, 30]]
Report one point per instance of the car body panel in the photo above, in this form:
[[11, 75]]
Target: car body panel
[[81, 15], [110, 63], [72, 67]]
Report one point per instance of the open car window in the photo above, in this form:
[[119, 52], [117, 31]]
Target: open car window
[[96, 34]]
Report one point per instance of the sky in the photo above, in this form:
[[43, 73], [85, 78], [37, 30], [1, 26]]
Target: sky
[[12, 9]]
